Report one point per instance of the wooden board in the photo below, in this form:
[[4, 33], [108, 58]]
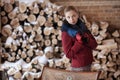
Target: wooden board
[[58, 74]]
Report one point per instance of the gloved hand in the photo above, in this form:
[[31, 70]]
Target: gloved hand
[[79, 38], [85, 38]]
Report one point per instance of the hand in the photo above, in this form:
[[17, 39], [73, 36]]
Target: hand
[[85, 38], [79, 38]]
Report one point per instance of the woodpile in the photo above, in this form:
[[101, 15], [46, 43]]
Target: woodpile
[[32, 38]]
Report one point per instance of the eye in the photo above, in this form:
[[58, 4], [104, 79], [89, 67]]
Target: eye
[[68, 17], [74, 16]]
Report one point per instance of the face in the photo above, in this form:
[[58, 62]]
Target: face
[[71, 17]]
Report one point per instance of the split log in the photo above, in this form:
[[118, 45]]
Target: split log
[[38, 53], [19, 52], [58, 63], [28, 60], [109, 46], [13, 47], [38, 37], [8, 7], [6, 30], [115, 34], [30, 53], [11, 71], [49, 11], [4, 20], [12, 15], [28, 28], [17, 75], [35, 9], [42, 12], [41, 20], [24, 44], [108, 41], [47, 31], [104, 25], [48, 24], [37, 29], [47, 42], [60, 23], [31, 18], [55, 18], [15, 23], [51, 63], [94, 28], [23, 55], [13, 54], [54, 41], [103, 33], [86, 22], [17, 57], [49, 19], [22, 16], [22, 7], [117, 73], [3, 13]]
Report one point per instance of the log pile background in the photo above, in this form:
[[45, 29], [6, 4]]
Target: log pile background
[[31, 38]]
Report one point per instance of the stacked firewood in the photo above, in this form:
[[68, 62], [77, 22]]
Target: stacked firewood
[[31, 38]]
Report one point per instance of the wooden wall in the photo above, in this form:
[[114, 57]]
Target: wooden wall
[[96, 10]]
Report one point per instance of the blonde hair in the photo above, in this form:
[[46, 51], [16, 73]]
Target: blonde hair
[[69, 8]]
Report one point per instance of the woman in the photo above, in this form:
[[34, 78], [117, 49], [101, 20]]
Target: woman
[[77, 41]]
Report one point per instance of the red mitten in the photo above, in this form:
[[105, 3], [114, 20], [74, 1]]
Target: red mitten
[[78, 37]]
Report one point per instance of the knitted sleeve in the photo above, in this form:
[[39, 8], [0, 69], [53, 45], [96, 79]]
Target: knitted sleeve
[[70, 47]]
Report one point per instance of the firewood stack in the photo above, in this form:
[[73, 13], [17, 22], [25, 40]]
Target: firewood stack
[[32, 38]]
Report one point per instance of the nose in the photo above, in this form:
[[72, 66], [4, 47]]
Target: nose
[[71, 19]]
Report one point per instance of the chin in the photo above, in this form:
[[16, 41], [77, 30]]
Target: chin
[[73, 23]]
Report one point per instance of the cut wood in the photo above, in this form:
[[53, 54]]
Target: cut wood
[[28, 28], [109, 46], [41, 20], [35, 9], [22, 16], [12, 15], [31, 18], [60, 23], [94, 28], [38, 37], [104, 25], [42, 12], [3, 13], [108, 41], [22, 7], [47, 31], [30, 53], [54, 41], [28, 60], [4, 20], [8, 7], [15, 23], [47, 42], [6, 30], [18, 75], [23, 55], [86, 21], [115, 34]]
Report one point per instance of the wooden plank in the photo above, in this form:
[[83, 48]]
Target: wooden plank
[[58, 74]]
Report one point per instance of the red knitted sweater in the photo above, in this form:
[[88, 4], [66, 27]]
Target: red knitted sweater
[[80, 54]]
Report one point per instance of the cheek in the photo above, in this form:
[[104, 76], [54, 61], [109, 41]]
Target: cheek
[[68, 19]]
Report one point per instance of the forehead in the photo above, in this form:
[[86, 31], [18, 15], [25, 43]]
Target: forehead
[[70, 13]]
